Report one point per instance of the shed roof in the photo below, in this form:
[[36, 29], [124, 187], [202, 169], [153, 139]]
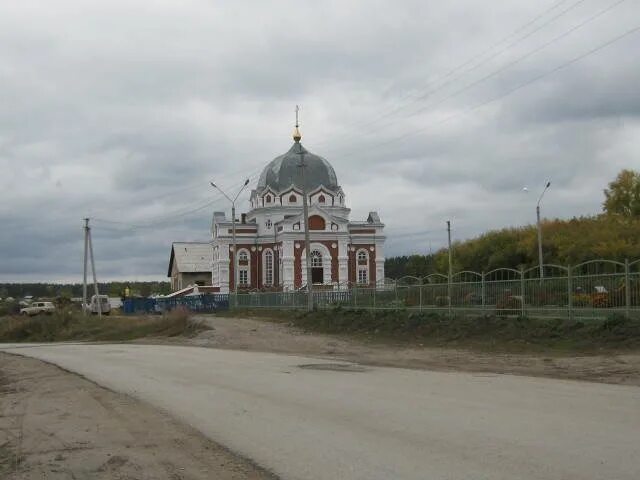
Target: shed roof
[[190, 257]]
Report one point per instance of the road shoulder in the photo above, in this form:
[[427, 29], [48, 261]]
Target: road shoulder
[[58, 425]]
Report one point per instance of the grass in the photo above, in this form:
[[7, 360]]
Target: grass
[[485, 332], [70, 325]]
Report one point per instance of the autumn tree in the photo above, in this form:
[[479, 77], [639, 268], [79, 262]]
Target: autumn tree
[[623, 195]]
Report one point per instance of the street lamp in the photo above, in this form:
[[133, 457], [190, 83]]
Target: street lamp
[[540, 230], [233, 231]]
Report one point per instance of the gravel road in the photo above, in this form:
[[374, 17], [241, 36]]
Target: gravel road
[[306, 418]]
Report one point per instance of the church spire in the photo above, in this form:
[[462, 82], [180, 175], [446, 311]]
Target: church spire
[[297, 136]]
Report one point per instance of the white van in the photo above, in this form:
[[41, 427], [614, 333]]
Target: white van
[[105, 306]]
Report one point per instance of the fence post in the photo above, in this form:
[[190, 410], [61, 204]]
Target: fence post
[[570, 291], [374, 297], [355, 296], [627, 289], [420, 296], [449, 294], [482, 291], [522, 293]]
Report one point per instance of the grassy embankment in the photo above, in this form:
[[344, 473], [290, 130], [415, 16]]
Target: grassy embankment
[[70, 325], [485, 332]]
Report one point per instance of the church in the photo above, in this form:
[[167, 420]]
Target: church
[[270, 237]]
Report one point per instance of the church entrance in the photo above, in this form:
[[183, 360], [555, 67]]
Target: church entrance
[[317, 269]]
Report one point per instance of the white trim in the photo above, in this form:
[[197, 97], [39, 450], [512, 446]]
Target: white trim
[[326, 263]]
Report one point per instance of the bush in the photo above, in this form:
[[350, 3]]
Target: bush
[[9, 308]]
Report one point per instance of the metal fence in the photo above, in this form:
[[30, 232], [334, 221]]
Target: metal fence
[[593, 289], [205, 303]]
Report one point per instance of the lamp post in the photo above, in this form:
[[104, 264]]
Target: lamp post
[[540, 230], [233, 231]]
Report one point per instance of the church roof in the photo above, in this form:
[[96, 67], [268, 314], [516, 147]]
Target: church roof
[[284, 171]]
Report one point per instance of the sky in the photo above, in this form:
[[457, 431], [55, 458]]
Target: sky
[[123, 111]]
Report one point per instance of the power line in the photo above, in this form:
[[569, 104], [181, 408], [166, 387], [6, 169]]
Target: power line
[[509, 92], [428, 93], [526, 55], [163, 219], [512, 63]]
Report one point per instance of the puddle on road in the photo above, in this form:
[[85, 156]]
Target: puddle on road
[[334, 367]]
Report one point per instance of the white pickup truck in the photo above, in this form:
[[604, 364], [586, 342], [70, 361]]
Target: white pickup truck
[[36, 308]]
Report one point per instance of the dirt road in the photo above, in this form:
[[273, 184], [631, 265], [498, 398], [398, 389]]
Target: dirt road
[[55, 425], [305, 418], [264, 336]]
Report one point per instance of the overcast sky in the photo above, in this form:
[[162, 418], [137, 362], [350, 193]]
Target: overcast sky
[[428, 110]]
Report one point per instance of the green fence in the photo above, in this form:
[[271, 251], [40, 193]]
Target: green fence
[[592, 289]]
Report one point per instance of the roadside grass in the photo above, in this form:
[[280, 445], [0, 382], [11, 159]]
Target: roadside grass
[[484, 332], [72, 325]]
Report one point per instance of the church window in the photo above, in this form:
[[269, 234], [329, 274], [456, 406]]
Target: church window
[[362, 258], [244, 267], [268, 267], [321, 199], [268, 223], [268, 198], [363, 275], [316, 258], [293, 199]]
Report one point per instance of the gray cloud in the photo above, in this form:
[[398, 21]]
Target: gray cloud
[[124, 111]]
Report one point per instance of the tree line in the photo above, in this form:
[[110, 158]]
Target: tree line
[[613, 235], [70, 290]]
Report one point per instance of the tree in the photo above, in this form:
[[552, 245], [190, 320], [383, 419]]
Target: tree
[[623, 195]]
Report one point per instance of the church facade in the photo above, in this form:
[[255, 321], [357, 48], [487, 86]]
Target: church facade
[[270, 237]]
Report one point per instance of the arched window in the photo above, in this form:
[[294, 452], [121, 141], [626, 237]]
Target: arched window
[[268, 198], [362, 267], [268, 267], [293, 199], [268, 223], [316, 258], [244, 268], [321, 199]]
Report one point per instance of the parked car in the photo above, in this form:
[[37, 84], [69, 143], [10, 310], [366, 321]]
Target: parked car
[[105, 306], [36, 308]]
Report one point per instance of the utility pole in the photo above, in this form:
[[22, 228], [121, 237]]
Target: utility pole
[[86, 254], [88, 250], [297, 136], [95, 281], [450, 276]]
